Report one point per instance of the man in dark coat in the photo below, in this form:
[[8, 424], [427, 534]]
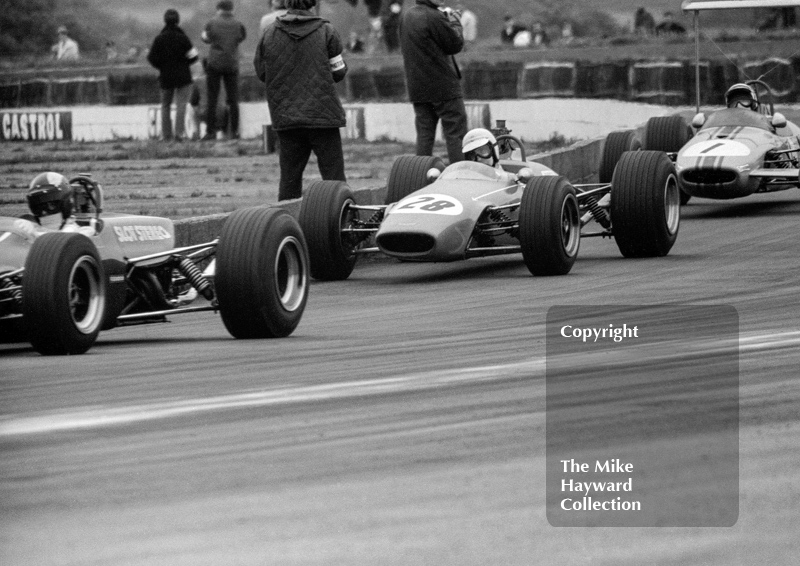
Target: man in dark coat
[[299, 59], [224, 33], [172, 54], [430, 36]]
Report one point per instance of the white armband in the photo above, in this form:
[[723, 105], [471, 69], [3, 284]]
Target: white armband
[[192, 53], [337, 63]]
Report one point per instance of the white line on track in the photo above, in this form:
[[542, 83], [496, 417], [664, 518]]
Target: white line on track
[[97, 417]]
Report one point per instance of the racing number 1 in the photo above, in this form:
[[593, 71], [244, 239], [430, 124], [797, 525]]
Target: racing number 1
[[430, 207]]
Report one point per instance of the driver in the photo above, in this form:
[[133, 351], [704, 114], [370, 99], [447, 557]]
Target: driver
[[741, 95], [480, 145], [50, 199]]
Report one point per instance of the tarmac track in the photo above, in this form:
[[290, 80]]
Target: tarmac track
[[402, 423]]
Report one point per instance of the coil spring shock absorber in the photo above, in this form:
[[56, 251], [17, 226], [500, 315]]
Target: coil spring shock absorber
[[189, 270], [598, 213], [16, 294]]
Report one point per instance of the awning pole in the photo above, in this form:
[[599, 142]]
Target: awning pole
[[697, 58]]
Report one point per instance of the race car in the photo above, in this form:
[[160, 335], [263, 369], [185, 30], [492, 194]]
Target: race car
[[739, 150], [93, 270], [736, 151], [511, 205]]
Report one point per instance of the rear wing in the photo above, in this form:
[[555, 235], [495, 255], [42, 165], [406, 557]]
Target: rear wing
[[697, 6]]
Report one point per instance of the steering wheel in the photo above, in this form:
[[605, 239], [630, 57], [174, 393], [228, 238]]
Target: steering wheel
[[88, 196], [507, 143], [768, 96]]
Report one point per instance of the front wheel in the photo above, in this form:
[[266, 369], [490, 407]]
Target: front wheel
[[324, 213], [645, 204], [549, 226], [261, 273], [63, 294]]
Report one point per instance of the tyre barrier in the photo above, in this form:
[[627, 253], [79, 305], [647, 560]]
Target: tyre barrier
[[661, 82], [548, 78]]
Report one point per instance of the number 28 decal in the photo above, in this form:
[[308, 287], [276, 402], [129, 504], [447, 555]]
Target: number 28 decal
[[430, 204]]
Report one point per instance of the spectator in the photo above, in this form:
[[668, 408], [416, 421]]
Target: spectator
[[172, 53], [133, 54], [643, 22], [669, 26], [567, 35], [469, 23], [198, 100], [510, 29], [299, 58], [539, 36], [223, 33], [523, 38], [430, 36], [391, 27], [66, 49], [278, 9], [355, 44], [111, 51]]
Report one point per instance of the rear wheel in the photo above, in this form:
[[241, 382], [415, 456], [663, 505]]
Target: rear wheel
[[261, 273], [645, 204], [549, 226], [324, 213], [666, 133], [616, 144], [63, 294], [409, 173]]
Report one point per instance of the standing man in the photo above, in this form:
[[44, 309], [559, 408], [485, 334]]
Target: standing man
[[299, 59], [172, 53], [223, 34], [430, 36]]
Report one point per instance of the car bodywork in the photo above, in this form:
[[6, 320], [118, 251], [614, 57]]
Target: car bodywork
[[469, 209], [59, 288]]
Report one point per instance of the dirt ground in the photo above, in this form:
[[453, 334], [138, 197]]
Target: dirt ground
[[177, 180]]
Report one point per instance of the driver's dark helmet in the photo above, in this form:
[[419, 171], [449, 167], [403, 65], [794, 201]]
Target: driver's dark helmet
[[480, 145], [741, 95], [50, 193]]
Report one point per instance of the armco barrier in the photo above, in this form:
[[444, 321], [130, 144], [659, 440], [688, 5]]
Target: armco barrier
[[578, 163]]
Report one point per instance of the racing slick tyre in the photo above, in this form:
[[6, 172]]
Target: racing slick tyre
[[409, 173], [666, 133], [63, 294], [324, 213], [616, 144], [261, 273], [645, 204], [549, 225]]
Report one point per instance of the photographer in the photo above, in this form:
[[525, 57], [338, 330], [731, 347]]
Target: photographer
[[430, 36]]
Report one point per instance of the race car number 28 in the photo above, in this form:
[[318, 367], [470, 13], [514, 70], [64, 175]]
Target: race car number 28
[[431, 204]]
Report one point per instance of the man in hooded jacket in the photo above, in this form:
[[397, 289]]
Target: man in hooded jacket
[[430, 36], [172, 54], [299, 59]]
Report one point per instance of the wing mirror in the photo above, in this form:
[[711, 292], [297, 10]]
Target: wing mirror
[[432, 174], [698, 120], [524, 175], [779, 120]]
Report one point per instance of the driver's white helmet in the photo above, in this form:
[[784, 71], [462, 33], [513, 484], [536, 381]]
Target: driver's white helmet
[[480, 145], [741, 95]]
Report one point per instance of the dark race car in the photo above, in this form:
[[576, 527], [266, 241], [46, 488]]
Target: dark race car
[[470, 209], [60, 287]]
